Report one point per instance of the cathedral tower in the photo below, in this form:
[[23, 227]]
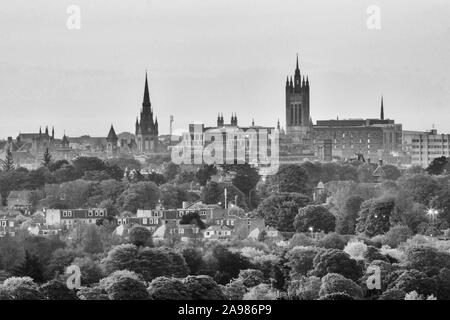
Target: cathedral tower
[[146, 128], [298, 124]]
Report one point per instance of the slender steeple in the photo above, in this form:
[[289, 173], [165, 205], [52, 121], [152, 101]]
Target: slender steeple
[[382, 109], [146, 101], [40, 130], [46, 130], [53, 132]]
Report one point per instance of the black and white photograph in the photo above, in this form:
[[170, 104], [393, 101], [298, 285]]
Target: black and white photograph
[[227, 158]]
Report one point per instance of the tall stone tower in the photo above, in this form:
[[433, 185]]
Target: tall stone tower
[[146, 128], [298, 120]]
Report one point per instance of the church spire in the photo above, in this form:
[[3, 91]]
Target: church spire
[[146, 101], [297, 68], [382, 109]]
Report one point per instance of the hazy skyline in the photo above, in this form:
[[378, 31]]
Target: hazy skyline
[[205, 57]]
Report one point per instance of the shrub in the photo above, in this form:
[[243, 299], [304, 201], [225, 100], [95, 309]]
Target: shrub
[[305, 288], [372, 254], [414, 280], [234, 290], [22, 288], [396, 254], [302, 240], [396, 235], [163, 288], [301, 260], [332, 241], [127, 289], [203, 288], [251, 277], [261, 292], [337, 283], [336, 261], [356, 249], [336, 296], [57, 290], [392, 294]]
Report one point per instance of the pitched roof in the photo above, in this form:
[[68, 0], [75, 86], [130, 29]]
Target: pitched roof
[[112, 134]]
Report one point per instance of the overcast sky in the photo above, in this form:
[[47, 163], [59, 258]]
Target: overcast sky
[[206, 57]]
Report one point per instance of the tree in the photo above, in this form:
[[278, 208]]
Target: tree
[[127, 289], [332, 241], [149, 262], [10, 253], [279, 210], [57, 290], [251, 277], [171, 171], [261, 292], [163, 288], [214, 193], [47, 158], [415, 280], [441, 202], [204, 173], [193, 258], [421, 187], [427, 259], [304, 288], [336, 261], [300, 260], [22, 288], [8, 163], [193, 218], [140, 236], [203, 288], [60, 259], [374, 216], [391, 172], [90, 270], [172, 196], [396, 235], [246, 177], [346, 220], [92, 242], [234, 290], [140, 195], [30, 267], [438, 166], [224, 264], [315, 216], [291, 178], [121, 257], [337, 283], [336, 296]]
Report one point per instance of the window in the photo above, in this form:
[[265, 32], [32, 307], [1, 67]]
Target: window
[[90, 213]]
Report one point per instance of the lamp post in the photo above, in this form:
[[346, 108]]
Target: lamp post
[[312, 231]]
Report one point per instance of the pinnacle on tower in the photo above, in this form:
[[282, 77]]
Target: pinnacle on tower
[[382, 109], [146, 100]]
